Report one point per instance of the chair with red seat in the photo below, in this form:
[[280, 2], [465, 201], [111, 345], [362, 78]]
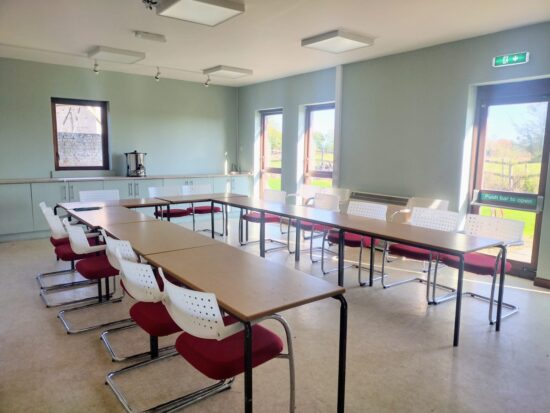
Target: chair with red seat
[[435, 219], [95, 267], [361, 209], [163, 191], [202, 208], [148, 313], [269, 195], [510, 232]]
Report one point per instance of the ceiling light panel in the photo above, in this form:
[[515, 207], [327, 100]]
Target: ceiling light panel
[[227, 72], [337, 41], [155, 37], [208, 12], [110, 54]]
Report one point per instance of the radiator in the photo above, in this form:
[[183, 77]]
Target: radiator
[[380, 198]]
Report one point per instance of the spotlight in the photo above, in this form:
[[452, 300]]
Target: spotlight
[[96, 67], [157, 76], [207, 83]]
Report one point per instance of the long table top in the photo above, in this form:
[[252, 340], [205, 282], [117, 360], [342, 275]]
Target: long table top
[[247, 286], [104, 217], [441, 241], [185, 199], [128, 203], [152, 237]]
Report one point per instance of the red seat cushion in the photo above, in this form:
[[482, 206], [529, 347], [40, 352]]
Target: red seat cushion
[[223, 359], [96, 267], [408, 251], [65, 253], [255, 217], [174, 213], [475, 262], [350, 240], [310, 226], [60, 241], [154, 319], [203, 209]]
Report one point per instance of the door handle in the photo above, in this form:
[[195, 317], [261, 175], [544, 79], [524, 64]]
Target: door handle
[[130, 189], [136, 189], [71, 193], [64, 193]]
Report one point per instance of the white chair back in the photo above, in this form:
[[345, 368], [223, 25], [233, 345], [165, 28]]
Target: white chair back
[[99, 195], [197, 313], [124, 248], [197, 189], [342, 193], [45, 208], [56, 226], [156, 191], [308, 192], [273, 195], [79, 241], [507, 230], [139, 280], [367, 209], [442, 204], [435, 219], [326, 201]]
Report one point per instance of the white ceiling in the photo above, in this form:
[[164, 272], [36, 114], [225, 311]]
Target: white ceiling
[[266, 38]]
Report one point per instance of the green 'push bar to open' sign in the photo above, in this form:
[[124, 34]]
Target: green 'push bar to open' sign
[[521, 201], [511, 59]]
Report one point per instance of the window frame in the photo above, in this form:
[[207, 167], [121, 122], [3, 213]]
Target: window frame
[[263, 169], [308, 174], [104, 132]]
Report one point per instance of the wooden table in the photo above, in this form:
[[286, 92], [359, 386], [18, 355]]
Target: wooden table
[[188, 199], [439, 241], [152, 237], [128, 203], [249, 288], [102, 217]]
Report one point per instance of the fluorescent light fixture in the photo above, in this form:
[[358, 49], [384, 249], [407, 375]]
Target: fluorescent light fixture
[[110, 54], [208, 12], [155, 37], [227, 71], [337, 41]]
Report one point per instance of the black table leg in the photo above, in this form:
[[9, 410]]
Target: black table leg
[[501, 286], [342, 353], [341, 258], [156, 212], [226, 208], [211, 219], [247, 368], [372, 254], [168, 212], [298, 227], [262, 234], [458, 300]]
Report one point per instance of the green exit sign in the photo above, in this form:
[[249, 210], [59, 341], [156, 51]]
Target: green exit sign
[[511, 59]]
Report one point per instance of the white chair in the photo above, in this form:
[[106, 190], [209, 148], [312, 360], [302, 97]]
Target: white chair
[[404, 215], [99, 195], [510, 232], [436, 219], [305, 194], [269, 195], [203, 208], [363, 209], [95, 267], [164, 191], [342, 193]]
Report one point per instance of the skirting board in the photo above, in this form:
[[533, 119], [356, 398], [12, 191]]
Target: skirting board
[[542, 282]]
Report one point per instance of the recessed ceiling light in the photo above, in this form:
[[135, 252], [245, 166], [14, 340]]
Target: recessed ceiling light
[[155, 37], [227, 71], [337, 41], [111, 54], [208, 12]]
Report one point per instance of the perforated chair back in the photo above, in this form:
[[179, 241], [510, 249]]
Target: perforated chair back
[[431, 203], [99, 195], [272, 195], [367, 209], [196, 189], [326, 201], [79, 241], [156, 191], [507, 230], [435, 219], [56, 226], [139, 280], [45, 208], [342, 193], [124, 248]]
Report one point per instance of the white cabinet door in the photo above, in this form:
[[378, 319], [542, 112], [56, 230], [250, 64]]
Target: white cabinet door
[[75, 187], [15, 209], [141, 186], [125, 187], [240, 185], [51, 193], [222, 184]]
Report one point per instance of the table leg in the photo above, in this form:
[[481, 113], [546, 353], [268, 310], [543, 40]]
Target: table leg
[[211, 219], [262, 234], [168, 212], [342, 353], [298, 224], [226, 208], [372, 254], [341, 258], [247, 368], [156, 212], [458, 300], [501, 286]]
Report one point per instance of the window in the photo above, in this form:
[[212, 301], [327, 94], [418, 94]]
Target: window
[[80, 134], [319, 145], [271, 136]]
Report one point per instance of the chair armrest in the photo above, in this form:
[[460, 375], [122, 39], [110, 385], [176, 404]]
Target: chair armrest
[[401, 211]]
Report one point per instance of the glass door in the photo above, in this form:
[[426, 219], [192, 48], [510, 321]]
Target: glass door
[[271, 144], [511, 161]]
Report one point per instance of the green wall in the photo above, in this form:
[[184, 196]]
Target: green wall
[[175, 122]]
